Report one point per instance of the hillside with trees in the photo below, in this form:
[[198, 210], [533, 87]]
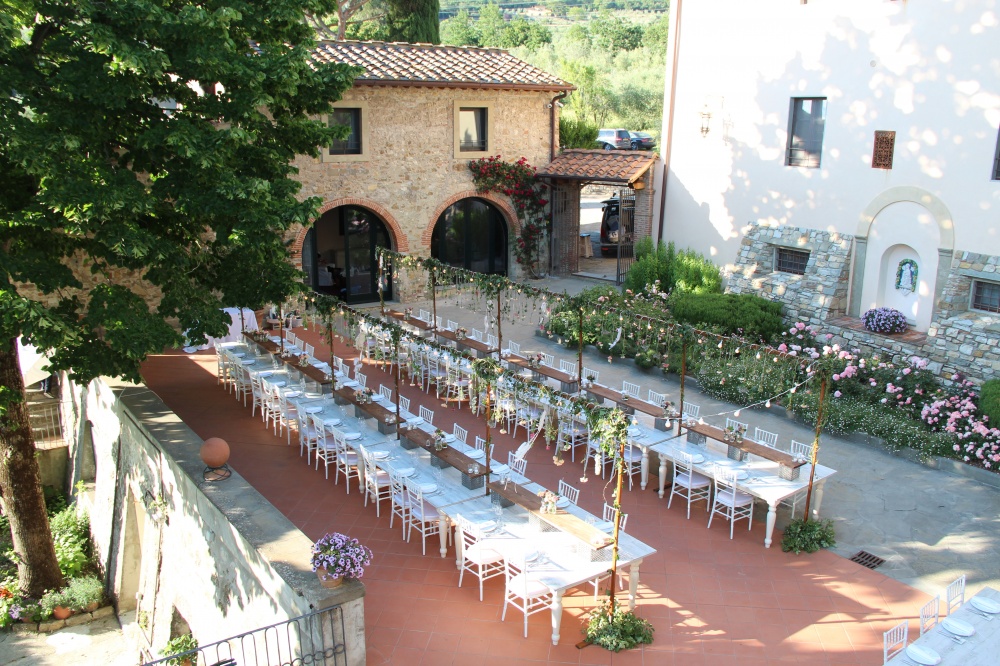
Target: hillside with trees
[[613, 52]]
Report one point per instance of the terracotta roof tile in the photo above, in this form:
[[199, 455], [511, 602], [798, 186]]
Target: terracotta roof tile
[[431, 65], [613, 166]]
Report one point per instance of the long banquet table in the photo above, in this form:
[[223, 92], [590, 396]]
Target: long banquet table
[[568, 383], [980, 648], [763, 479]]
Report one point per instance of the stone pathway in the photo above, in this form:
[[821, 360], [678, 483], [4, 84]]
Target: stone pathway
[[99, 643]]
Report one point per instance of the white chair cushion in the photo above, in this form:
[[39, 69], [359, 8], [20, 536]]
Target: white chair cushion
[[535, 587], [739, 499], [693, 480], [480, 554]]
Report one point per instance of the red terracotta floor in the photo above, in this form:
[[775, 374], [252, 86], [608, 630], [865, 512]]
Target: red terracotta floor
[[710, 599]]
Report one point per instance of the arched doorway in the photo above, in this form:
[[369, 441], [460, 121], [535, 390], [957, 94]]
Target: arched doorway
[[471, 234], [338, 254]]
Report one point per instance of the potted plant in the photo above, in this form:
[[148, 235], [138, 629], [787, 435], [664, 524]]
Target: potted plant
[[57, 603], [85, 593], [884, 320], [615, 629], [182, 647], [337, 556]]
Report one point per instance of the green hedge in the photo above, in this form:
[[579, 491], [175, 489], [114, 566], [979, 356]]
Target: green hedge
[[746, 315], [685, 270], [989, 401]]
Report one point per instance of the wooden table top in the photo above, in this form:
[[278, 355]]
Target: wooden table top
[[374, 409], [453, 457], [546, 370], [412, 321], [467, 341], [562, 520], [755, 448], [616, 397]]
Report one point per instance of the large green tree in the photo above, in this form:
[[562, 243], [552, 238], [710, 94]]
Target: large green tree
[[413, 21], [145, 182]]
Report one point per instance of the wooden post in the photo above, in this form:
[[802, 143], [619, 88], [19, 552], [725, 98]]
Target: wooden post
[[399, 369], [499, 332], [579, 353], [620, 466], [815, 446], [434, 303], [680, 418], [489, 436]]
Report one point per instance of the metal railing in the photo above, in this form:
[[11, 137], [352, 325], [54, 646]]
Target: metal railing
[[316, 638], [45, 418], [626, 235]]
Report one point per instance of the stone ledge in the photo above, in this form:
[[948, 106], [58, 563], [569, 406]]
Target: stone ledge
[[48, 626]]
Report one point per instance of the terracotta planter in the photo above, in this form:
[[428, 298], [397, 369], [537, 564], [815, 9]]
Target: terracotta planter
[[215, 452], [91, 607], [329, 580], [61, 612]]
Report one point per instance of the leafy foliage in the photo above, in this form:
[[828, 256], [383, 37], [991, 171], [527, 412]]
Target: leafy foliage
[[808, 536], [989, 401], [577, 133], [686, 270], [179, 645], [884, 320], [413, 21], [616, 630], [746, 315]]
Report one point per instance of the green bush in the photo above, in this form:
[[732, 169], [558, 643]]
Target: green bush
[[808, 535], [618, 630], [989, 401], [577, 133], [685, 270], [71, 535], [84, 591], [746, 315]]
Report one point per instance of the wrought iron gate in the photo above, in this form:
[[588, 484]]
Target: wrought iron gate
[[626, 234], [316, 638]]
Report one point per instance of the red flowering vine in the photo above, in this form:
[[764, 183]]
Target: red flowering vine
[[519, 181]]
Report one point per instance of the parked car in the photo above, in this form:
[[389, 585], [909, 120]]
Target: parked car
[[611, 227], [642, 141], [614, 139]]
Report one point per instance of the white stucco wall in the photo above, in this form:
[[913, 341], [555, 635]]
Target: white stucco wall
[[927, 70]]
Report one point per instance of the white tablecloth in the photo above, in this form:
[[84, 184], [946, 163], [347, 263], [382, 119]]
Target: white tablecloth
[[235, 331]]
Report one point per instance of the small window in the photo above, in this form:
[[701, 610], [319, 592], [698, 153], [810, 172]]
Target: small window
[[472, 129], [790, 261], [985, 296], [805, 131], [350, 117], [996, 159], [885, 144]]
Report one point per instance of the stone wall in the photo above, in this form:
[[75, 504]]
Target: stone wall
[[410, 174], [959, 340], [214, 557]]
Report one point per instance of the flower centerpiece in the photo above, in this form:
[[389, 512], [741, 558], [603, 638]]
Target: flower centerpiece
[[407, 313], [461, 332], [884, 320], [337, 556], [535, 360], [591, 379], [303, 361], [668, 410], [439, 443], [549, 500], [625, 396], [365, 396], [738, 434]]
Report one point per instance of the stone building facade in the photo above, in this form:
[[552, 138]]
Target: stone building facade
[[412, 108], [959, 339]]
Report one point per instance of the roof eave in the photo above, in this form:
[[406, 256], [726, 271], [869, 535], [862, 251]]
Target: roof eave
[[531, 87]]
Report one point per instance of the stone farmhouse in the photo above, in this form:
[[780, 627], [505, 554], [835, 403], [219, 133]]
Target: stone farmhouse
[[847, 159]]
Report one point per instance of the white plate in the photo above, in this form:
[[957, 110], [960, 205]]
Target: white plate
[[605, 526], [985, 605], [332, 422], [449, 438], [500, 469], [275, 339], [248, 361], [427, 488], [415, 422], [313, 409], [634, 432], [958, 627], [351, 436], [406, 471], [561, 502], [486, 528], [380, 455], [476, 454], [728, 463], [922, 655], [279, 383], [350, 383], [292, 394], [378, 397], [531, 556], [742, 474], [238, 354], [697, 458]]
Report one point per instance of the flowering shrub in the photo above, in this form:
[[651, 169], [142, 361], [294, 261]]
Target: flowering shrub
[[518, 180], [884, 320], [341, 556]]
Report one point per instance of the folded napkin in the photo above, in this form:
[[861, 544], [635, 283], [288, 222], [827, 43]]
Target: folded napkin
[[406, 471]]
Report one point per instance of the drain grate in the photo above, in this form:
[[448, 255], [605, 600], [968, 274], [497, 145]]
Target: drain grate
[[866, 559]]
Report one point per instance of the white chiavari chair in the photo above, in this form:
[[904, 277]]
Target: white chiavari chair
[[569, 492], [476, 557], [691, 411], [347, 460], [631, 389], [461, 434], [590, 372], [427, 415], [569, 367], [404, 408], [548, 359], [730, 503], [423, 517], [458, 383], [326, 448], [689, 484], [491, 340], [766, 438], [654, 398], [734, 424], [309, 350], [480, 443], [400, 502], [573, 433], [513, 347], [477, 334], [377, 486], [524, 592], [954, 594], [386, 393], [894, 641], [930, 613], [518, 465]]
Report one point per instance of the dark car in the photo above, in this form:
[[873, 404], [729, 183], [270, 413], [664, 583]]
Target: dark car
[[611, 227], [641, 141]]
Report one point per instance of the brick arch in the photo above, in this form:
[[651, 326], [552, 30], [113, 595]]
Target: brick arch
[[503, 205], [401, 242]]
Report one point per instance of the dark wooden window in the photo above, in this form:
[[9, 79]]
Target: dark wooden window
[[352, 144], [787, 260], [885, 144], [985, 296], [996, 160], [805, 131]]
